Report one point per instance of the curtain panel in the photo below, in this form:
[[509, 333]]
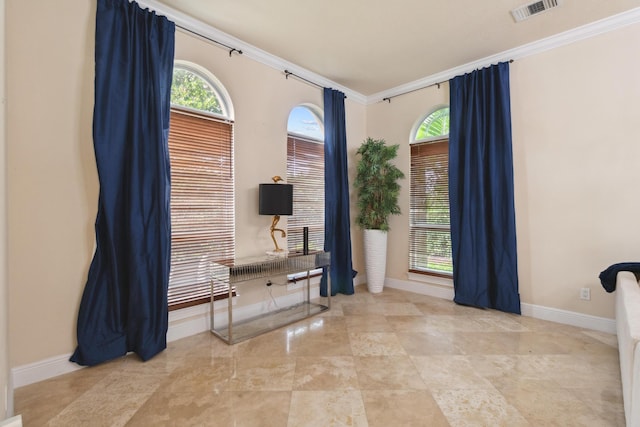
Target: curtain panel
[[124, 304], [483, 228], [337, 226]]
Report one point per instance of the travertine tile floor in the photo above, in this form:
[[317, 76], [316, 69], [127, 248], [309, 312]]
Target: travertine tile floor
[[394, 359]]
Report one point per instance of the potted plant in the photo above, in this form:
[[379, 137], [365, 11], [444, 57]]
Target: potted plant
[[377, 189]]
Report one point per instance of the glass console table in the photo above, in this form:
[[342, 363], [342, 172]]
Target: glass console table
[[232, 274]]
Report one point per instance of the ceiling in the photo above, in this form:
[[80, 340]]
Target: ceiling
[[370, 46]]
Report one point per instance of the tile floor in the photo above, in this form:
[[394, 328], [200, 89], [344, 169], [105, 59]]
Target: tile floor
[[393, 359]]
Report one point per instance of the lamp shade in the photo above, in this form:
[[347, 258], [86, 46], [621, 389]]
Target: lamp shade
[[276, 199]]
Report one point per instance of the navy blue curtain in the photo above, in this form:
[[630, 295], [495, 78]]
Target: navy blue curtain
[[483, 227], [124, 304], [337, 226]]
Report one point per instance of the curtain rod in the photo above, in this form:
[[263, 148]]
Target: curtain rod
[[231, 49], [288, 73], [388, 98]]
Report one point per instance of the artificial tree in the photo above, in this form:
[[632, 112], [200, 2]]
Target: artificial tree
[[377, 190]]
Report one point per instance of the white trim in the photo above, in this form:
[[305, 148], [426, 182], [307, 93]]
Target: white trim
[[551, 314], [220, 91], [418, 123], [433, 280], [315, 111], [301, 279], [196, 320], [360, 279], [572, 318], [248, 50], [12, 422], [580, 33], [186, 322], [423, 288], [42, 370], [305, 137]]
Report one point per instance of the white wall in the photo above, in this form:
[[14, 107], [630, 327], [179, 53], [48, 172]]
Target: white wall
[[576, 147]]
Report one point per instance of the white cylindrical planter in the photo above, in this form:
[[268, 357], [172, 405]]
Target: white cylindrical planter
[[375, 258]]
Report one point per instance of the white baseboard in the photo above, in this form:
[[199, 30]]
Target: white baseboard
[[42, 370], [195, 320], [199, 320], [423, 288], [182, 323], [572, 318], [551, 314], [12, 422]]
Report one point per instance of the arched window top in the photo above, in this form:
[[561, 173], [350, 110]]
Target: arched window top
[[306, 121], [195, 88], [434, 126]]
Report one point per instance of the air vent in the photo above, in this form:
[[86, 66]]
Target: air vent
[[528, 10]]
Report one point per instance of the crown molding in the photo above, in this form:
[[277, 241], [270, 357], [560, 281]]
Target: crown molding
[[561, 39], [247, 49]]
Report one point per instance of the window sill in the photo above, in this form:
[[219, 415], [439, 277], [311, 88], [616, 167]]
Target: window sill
[[434, 280], [200, 309], [293, 278]]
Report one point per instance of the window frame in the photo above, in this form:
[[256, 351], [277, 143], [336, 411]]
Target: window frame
[[293, 233], [304, 138], [186, 295], [434, 141], [218, 88], [316, 113]]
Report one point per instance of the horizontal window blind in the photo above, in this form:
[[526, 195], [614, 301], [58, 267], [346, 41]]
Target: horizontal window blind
[[430, 235], [202, 205], [305, 170]]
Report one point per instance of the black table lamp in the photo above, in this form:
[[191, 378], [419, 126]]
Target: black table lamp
[[276, 199]]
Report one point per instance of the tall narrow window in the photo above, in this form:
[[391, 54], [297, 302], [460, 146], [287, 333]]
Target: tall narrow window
[[430, 230], [202, 186], [305, 170]]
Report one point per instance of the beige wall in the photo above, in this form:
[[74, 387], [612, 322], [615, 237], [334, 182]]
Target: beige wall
[[576, 140], [262, 100], [52, 179], [575, 111], [52, 184], [393, 121], [6, 401]]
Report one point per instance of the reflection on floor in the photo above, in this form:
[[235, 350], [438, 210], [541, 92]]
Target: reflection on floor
[[393, 359]]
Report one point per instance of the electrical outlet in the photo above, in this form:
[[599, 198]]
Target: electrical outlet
[[585, 294]]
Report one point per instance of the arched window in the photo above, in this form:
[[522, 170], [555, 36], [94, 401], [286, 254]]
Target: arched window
[[202, 190], [193, 87], [305, 170], [434, 125], [429, 225], [306, 121]]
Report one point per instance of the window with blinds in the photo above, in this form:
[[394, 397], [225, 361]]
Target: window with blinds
[[305, 170], [202, 205], [430, 230]]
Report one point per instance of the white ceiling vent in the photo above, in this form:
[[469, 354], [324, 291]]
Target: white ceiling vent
[[528, 10]]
